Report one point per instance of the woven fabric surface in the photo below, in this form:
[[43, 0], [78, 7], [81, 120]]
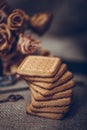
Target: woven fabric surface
[[13, 114]]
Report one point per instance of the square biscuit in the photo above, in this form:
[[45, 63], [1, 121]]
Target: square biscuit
[[45, 92], [59, 73], [63, 79], [45, 115], [40, 66], [51, 103], [38, 97], [63, 109]]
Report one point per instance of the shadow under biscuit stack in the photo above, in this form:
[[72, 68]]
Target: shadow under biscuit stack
[[50, 84]]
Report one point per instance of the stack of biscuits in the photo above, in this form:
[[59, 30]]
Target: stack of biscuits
[[50, 83]]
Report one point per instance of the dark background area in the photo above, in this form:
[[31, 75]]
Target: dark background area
[[70, 22]]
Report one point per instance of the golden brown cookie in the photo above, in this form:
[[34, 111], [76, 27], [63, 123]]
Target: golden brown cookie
[[44, 92], [59, 73], [63, 79], [49, 109], [51, 103], [39, 97], [45, 115], [39, 66]]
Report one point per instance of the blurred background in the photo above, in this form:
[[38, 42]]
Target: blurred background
[[67, 36]]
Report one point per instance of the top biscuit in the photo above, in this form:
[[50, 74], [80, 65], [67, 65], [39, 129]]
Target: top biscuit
[[39, 66]]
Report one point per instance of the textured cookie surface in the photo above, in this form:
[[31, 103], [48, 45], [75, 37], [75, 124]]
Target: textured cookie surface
[[63, 79], [44, 92], [39, 97], [39, 66], [51, 103], [49, 109], [45, 115], [59, 73]]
